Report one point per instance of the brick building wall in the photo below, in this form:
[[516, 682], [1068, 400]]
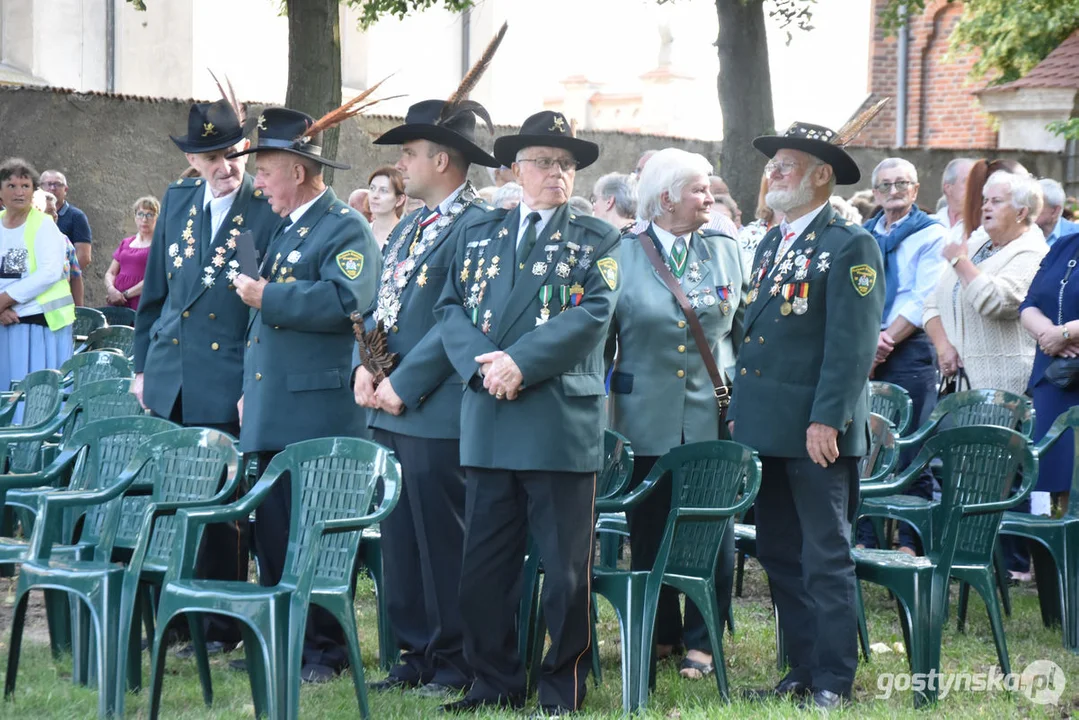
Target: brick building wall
[[942, 110]]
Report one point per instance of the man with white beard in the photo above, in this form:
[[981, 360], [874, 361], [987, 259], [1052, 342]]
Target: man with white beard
[[811, 328]]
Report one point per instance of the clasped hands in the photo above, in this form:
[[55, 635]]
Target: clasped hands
[[381, 398], [501, 376], [1053, 343]]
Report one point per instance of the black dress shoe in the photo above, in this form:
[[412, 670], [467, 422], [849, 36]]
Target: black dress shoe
[[785, 689], [473, 704], [392, 682], [316, 674], [437, 690], [824, 700]]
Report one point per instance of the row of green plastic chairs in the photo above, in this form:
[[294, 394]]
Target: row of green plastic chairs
[[141, 489], [89, 319]]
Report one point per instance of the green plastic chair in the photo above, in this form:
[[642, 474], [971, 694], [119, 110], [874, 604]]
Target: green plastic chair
[[1055, 546], [612, 528], [94, 365], [91, 459], [997, 408], [979, 466], [707, 479], [333, 487], [39, 399], [180, 468], [892, 402], [118, 338], [118, 315], [86, 321], [371, 556]]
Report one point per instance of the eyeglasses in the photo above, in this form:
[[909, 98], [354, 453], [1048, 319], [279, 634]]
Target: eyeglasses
[[566, 165], [885, 188], [145, 215], [784, 168], [54, 184]]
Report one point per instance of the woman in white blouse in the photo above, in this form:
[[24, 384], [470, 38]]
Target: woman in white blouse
[[973, 316], [36, 307]]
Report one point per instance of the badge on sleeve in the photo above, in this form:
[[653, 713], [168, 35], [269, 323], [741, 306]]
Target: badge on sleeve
[[351, 263], [864, 278], [608, 269]]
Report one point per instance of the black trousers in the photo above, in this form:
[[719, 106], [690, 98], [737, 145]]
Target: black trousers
[[225, 547], [501, 508], [804, 514], [324, 640], [422, 546], [647, 521], [913, 367]]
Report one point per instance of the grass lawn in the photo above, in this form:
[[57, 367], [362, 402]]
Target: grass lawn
[[45, 691]]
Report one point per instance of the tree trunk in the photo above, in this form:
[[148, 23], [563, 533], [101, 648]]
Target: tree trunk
[[314, 64], [745, 97]]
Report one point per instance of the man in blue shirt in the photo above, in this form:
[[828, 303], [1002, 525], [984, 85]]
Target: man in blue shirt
[[1051, 220], [910, 242], [71, 221]]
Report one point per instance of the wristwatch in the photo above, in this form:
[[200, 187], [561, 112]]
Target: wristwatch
[[957, 258], [1064, 331]]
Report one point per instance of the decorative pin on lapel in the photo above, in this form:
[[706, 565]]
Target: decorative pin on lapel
[[238, 220], [503, 233], [302, 232], [421, 279]]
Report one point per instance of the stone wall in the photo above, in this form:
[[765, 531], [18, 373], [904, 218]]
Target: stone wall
[[115, 149]]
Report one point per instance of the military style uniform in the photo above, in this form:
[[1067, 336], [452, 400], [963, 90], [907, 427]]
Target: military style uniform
[[422, 539], [809, 340], [531, 462], [662, 395], [190, 326]]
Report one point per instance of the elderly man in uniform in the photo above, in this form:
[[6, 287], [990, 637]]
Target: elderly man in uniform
[[416, 411], [910, 242], [189, 331], [524, 315], [321, 265], [811, 329], [614, 199]]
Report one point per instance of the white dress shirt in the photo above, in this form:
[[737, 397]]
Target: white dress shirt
[[444, 206], [219, 208], [919, 265], [296, 214], [545, 217], [666, 239], [797, 227]]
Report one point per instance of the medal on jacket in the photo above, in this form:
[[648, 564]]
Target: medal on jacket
[[801, 301], [546, 292], [788, 293], [694, 275], [724, 299]]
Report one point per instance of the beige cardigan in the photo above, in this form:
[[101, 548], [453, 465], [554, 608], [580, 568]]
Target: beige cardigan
[[984, 324]]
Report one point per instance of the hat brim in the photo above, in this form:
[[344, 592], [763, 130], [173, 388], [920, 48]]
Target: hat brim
[[843, 165], [437, 134], [507, 147], [186, 144], [317, 158]]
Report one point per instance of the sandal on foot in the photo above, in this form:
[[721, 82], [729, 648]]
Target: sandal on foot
[[694, 670]]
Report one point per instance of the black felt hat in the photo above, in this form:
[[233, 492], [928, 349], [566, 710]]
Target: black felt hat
[[546, 129], [212, 126], [286, 130], [818, 141], [455, 128]]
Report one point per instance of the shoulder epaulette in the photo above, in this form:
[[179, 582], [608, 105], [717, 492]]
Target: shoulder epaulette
[[187, 182], [710, 232], [592, 223]]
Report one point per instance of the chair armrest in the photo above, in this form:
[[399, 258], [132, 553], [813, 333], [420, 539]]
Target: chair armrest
[[1030, 479], [921, 433], [869, 489], [42, 431]]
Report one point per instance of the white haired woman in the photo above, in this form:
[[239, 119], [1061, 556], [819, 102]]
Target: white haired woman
[[36, 307], [973, 316], [661, 392]]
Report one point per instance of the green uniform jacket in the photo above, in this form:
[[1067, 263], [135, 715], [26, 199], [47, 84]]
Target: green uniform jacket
[[424, 378], [189, 331], [813, 366], [299, 345], [557, 421], [661, 394]]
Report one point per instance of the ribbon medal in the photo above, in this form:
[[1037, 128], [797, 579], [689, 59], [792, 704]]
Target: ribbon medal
[[724, 299], [546, 292], [788, 293], [576, 294], [801, 301]]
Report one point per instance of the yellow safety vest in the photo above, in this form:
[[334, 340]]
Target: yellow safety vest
[[56, 302]]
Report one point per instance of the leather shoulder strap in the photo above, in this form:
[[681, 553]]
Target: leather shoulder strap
[[718, 385]]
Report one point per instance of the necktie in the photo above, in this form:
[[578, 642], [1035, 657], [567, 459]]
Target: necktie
[[679, 253], [528, 241]]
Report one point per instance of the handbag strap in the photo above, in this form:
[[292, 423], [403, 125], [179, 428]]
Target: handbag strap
[[718, 386]]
